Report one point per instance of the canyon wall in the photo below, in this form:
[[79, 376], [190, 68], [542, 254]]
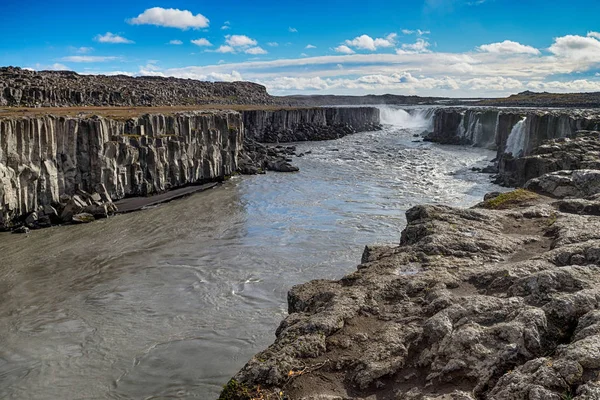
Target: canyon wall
[[302, 124], [508, 131], [42, 158]]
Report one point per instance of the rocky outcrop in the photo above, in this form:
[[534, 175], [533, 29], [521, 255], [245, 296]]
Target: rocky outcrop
[[509, 131], [44, 158], [578, 183], [496, 302], [19, 87], [258, 158], [303, 124], [582, 151]]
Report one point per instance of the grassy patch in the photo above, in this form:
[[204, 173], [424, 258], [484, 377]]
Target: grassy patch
[[510, 199], [234, 390]]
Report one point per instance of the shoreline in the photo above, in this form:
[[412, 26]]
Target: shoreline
[[497, 301]]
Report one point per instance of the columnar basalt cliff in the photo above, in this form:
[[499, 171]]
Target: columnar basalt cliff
[[302, 124], [514, 131], [19, 87], [43, 158]]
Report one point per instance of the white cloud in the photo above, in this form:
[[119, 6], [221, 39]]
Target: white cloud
[[109, 37], [239, 41], [420, 46], [255, 50], [226, 25], [508, 47], [577, 48], [293, 30], [273, 44], [88, 59], [225, 49], [344, 49], [81, 50], [176, 42], [594, 34], [310, 46], [365, 42], [171, 18], [418, 32], [52, 67], [202, 42]]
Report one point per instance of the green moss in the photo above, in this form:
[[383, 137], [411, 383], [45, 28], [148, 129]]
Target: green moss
[[510, 199], [234, 390]]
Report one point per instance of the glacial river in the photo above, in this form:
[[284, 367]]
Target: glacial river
[[170, 302]]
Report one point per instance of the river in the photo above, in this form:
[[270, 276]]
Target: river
[[170, 302]]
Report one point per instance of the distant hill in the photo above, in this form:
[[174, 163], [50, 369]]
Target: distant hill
[[328, 100], [545, 99]]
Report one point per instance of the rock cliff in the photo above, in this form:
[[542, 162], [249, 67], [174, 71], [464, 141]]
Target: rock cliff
[[514, 131], [44, 158], [302, 124], [19, 87]]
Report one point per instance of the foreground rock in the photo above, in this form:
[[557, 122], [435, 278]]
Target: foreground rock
[[496, 302]]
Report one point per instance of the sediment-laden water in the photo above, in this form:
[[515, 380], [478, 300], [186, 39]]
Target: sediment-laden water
[[172, 301]]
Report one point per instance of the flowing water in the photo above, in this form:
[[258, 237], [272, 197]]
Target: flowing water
[[170, 302]]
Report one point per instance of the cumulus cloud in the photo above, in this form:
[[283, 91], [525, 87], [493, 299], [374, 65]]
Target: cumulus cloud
[[578, 48], [226, 25], [365, 42], [225, 49], [255, 50], [202, 42], [293, 30], [508, 47], [594, 34], [176, 42], [310, 46], [273, 44], [239, 41], [170, 18], [88, 59], [344, 49], [109, 37]]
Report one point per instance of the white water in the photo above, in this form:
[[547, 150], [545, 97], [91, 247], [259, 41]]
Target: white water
[[515, 144], [412, 119]]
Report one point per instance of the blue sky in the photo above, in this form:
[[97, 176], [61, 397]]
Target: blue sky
[[425, 47]]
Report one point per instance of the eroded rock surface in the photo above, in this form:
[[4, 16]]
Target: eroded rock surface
[[472, 304]]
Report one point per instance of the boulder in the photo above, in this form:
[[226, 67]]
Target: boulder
[[82, 218], [567, 184]]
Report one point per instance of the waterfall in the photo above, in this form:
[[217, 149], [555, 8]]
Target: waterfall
[[412, 119], [515, 144]]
